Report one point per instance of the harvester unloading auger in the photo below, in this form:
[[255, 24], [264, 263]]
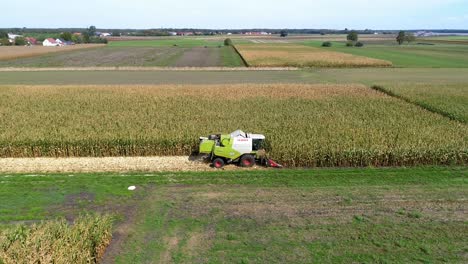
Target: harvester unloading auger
[[238, 147]]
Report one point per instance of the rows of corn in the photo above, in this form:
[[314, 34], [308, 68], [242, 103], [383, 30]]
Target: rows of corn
[[450, 100], [56, 241], [295, 55], [306, 125]]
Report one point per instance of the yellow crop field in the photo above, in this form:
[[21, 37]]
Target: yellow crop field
[[16, 52], [306, 125], [292, 55]]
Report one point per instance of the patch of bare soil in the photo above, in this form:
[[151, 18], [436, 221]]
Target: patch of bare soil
[[129, 212], [200, 57]]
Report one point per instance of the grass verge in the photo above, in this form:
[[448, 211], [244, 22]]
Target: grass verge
[[276, 216]]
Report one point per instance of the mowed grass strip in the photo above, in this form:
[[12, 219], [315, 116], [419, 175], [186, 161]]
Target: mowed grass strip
[[306, 125], [16, 52], [293, 55], [450, 100], [401, 215]]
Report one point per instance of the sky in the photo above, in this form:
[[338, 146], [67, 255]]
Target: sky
[[222, 14]]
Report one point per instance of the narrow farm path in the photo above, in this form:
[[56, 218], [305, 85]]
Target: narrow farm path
[[106, 164]]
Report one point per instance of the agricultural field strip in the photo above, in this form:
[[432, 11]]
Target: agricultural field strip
[[128, 68], [296, 55], [350, 125], [11, 53], [449, 100], [409, 56], [368, 76]]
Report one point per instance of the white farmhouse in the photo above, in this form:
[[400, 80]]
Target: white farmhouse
[[50, 42]]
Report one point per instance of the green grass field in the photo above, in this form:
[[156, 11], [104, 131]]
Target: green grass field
[[142, 76], [408, 56], [366, 215], [456, 38], [180, 42]]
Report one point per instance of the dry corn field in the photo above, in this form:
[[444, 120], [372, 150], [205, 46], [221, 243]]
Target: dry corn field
[[306, 125], [57, 242], [292, 55], [16, 52]]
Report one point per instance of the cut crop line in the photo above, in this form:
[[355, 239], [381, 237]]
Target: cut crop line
[[423, 105], [242, 57]]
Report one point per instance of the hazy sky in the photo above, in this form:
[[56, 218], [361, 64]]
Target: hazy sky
[[336, 14]]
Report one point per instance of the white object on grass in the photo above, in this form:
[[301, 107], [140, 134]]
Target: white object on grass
[[132, 188]]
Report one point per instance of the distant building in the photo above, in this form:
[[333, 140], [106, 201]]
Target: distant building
[[171, 33], [105, 34], [50, 42], [13, 36], [31, 41], [184, 33]]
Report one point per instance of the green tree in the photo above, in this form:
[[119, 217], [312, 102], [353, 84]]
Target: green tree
[[85, 37], [284, 33], [77, 39], [92, 30], [409, 37], [228, 42], [67, 36], [5, 42], [353, 36], [401, 37], [20, 41], [3, 35]]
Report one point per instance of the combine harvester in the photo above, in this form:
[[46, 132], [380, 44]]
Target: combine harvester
[[238, 147]]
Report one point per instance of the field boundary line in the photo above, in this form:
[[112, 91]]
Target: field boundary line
[[234, 69], [423, 105], [242, 57]]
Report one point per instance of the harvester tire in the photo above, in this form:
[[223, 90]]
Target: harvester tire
[[218, 163], [247, 161]]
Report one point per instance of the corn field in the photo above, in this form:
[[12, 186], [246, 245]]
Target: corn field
[[305, 125], [293, 55], [57, 242], [450, 100]]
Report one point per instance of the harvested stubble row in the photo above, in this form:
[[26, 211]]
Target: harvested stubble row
[[293, 55], [306, 125], [16, 52]]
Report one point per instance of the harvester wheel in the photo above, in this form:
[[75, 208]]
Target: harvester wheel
[[247, 161], [218, 163]]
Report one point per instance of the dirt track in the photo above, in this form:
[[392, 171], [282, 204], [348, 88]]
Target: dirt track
[[109, 164], [118, 164]]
